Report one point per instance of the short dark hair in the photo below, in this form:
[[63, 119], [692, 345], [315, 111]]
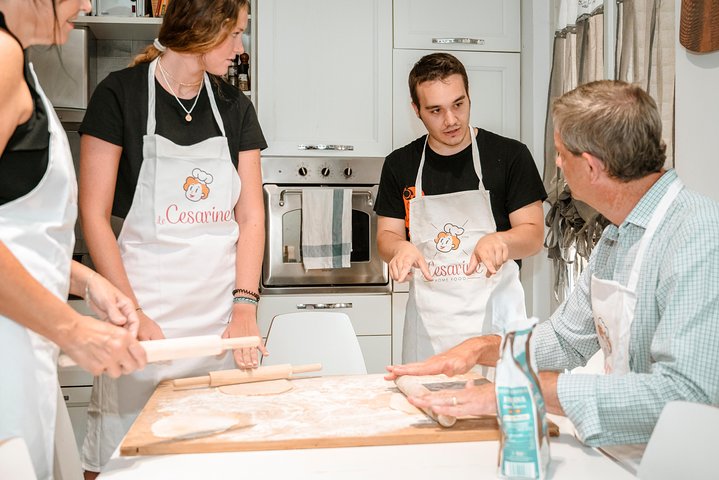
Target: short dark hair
[[435, 66], [615, 121]]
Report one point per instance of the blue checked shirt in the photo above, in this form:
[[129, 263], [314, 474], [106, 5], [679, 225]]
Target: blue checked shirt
[[674, 345]]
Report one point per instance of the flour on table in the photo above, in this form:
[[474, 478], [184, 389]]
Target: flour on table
[[399, 402], [270, 387], [178, 425]]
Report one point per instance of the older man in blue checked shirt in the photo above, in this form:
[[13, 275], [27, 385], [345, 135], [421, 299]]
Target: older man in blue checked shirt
[[649, 297]]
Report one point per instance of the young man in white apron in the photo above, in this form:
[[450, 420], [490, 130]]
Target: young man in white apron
[[447, 189], [648, 297]]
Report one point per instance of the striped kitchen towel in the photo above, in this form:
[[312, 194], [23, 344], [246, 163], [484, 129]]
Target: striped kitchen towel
[[326, 227]]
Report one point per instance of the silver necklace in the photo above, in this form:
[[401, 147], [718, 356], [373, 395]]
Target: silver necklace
[[188, 117]]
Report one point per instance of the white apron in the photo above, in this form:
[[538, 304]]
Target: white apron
[[613, 304], [454, 307], [178, 246], [38, 229]]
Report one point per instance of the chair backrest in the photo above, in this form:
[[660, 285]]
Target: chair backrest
[[683, 444], [315, 337], [15, 460]]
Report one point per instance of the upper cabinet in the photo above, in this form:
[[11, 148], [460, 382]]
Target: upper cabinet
[[494, 86], [324, 70], [488, 25]]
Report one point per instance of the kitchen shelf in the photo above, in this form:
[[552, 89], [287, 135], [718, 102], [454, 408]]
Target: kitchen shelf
[[121, 28], [108, 27]]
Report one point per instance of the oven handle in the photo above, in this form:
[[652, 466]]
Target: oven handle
[[297, 191], [322, 306]]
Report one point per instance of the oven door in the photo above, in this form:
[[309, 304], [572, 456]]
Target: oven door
[[283, 249]]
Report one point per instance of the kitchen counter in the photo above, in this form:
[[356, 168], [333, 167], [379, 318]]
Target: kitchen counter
[[467, 460]]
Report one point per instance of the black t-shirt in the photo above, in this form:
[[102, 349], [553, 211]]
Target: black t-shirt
[[117, 113], [24, 160], [508, 172]]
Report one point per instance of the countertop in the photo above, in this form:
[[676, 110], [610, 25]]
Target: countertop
[[469, 460]]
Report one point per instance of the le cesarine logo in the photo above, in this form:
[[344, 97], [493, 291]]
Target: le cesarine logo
[[196, 189]]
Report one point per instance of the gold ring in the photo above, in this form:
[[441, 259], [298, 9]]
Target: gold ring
[[454, 401]]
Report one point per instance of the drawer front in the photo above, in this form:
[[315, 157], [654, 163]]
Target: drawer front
[[76, 395], [370, 314], [377, 352]]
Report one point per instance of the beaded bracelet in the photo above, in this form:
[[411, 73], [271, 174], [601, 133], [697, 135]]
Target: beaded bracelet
[[254, 295], [244, 300]]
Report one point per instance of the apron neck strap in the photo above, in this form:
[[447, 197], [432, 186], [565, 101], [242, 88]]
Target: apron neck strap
[[659, 213], [151, 119], [475, 161]]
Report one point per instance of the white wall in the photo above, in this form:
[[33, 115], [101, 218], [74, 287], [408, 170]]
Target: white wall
[[696, 139], [537, 39]]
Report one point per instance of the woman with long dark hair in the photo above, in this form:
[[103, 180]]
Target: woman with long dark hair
[[174, 151], [38, 208]]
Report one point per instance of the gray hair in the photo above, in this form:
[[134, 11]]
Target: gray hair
[[617, 122]]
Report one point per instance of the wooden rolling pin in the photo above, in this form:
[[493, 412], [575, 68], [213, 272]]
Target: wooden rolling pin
[[174, 348], [412, 387], [231, 377]]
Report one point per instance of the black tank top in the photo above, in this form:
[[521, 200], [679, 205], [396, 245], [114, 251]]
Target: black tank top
[[24, 161]]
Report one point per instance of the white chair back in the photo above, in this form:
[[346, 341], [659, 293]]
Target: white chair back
[[315, 337], [683, 444], [15, 461]]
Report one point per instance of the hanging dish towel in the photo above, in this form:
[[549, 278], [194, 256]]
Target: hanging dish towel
[[326, 227]]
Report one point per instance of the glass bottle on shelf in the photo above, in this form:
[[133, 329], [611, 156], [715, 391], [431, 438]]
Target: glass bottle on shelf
[[232, 77], [243, 73]]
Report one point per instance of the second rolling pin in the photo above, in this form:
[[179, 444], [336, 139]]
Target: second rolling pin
[[174, 348], [231, 377]]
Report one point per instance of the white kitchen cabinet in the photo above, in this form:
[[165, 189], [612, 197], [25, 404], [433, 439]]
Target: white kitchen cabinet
[[324, 76], [487, 25], [494, 89], [371, 317]]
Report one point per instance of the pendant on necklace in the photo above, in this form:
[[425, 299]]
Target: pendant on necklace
[[188, 117]]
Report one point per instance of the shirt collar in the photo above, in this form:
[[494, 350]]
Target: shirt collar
[[643, 210]]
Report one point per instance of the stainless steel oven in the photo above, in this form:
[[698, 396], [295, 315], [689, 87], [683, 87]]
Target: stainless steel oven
[[285, 179], [361, 291]]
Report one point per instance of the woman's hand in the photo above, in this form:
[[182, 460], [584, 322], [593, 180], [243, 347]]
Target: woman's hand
[[110, 303], [149, 329], [244, 324], [100, 347]]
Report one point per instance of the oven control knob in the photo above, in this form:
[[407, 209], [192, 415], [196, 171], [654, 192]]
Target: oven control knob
[[325, 172], [302, 171], [348, 172]]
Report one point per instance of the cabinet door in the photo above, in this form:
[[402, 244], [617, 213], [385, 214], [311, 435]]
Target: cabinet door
[[325, 75], [493, 88], [488, 25], [399, 307]]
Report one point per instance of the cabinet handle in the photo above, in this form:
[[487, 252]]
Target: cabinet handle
[[322, 306], [295, 191], [322, 146], [462, 40]]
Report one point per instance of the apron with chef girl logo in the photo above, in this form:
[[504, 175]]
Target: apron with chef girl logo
[[39, 230], [613, 304], [455, 306], [178, 246]]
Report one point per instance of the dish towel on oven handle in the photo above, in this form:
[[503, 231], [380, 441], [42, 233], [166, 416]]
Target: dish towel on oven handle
[[326, 227]]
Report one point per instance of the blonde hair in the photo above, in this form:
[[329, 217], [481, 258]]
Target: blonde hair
[[194, 26]]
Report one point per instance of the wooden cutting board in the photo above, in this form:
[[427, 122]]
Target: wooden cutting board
[[319, 412]]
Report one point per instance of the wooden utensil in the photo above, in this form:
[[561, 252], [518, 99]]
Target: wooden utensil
[[412, 386], [231, 377], [174, 348]]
